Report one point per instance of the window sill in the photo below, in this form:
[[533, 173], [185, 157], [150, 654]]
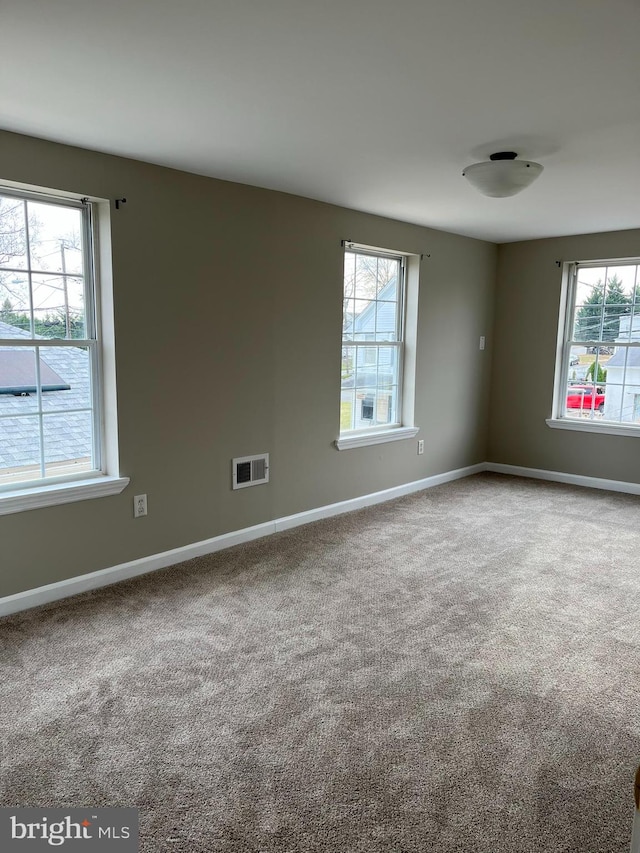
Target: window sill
[[382, 437], [23, 499], [604, 427]]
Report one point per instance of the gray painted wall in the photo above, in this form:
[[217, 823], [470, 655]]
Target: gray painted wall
[[228, 312], [525, 337]]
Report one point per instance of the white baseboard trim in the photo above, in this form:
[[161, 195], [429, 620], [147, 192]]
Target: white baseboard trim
[[94, 580], [561, 477], [104, 577], [375, 497]]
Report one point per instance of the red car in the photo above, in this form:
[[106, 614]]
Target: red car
[[583, 397]]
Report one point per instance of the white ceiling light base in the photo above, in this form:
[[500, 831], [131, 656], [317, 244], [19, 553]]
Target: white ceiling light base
[[502, 175]]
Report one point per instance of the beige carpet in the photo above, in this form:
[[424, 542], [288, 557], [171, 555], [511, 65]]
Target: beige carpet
[[457, 670]]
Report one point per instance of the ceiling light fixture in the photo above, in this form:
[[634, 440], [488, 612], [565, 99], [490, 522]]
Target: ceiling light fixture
[[502, 175]]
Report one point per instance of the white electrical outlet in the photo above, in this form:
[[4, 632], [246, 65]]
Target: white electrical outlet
[[482, 341], [139, 506], [421, 447]]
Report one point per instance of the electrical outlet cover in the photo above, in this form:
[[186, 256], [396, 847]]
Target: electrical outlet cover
[[139, 506]]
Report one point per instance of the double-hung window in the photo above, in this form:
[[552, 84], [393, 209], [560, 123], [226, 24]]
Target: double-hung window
[[598, 367], [374, 325], [52, 417]]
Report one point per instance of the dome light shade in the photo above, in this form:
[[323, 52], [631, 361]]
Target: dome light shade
[[502, 175]]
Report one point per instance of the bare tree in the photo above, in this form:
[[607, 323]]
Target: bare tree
[[21, 235], [366, 275]]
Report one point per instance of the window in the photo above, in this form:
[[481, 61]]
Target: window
[[369, 356], [598, 369], [376, 390], [367, 408], [51, 357]]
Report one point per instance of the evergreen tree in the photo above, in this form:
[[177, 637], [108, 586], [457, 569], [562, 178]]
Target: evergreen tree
[[52, 325], [597, 314], [8, 315], [602, 373]]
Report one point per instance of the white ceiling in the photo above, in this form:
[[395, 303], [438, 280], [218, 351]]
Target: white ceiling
[[377, 105]]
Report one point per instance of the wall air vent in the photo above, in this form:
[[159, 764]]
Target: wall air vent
[[250, 470]]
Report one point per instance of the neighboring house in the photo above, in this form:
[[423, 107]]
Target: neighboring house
[[622, 399], [66, 401], [368, 381]]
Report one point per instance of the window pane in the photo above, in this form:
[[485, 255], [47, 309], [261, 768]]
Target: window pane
[[348, 365], [348, 318], [367, 406], [578, 362], [386, 321], [616, 322], [13, 238], [58, 303], [19, 449], [368, 356], [67, 443], [72, 365], [18, 387], [630, 408], [636, 290], [366, 277], [592, 366], [376, 408], [375, 275], [623, 384], [14, 305], [387, 363], [620, 284], [365, 378], [350, 260], [360, 307], [628, 322], [635, 323], [347, 409], [388, 278], [55, 238], [588, 323], [361, 324], [392, 413], [614, 402], [585, 400], [386, 379], [590, 286]]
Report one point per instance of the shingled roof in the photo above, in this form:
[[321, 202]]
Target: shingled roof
[[71, 437], [630, 358]]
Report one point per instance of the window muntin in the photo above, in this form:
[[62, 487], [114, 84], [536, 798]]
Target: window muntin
[[372, 341], [50, 430], [599, 377]]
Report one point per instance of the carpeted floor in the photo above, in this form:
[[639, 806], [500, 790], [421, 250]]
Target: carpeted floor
[[457, 670]]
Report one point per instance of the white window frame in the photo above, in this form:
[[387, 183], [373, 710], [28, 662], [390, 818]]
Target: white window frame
[[406, 344], [558, 419], [105, 479]]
